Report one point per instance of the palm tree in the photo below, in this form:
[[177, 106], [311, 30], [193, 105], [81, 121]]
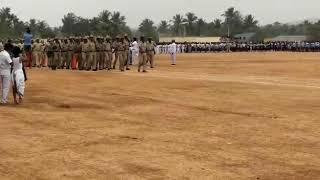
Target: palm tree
[[233, 21], [200, 24], [190, 19], [163, 27], [177, 26]]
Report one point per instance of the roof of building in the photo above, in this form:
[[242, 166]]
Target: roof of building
[[190, 39], [297, 38], [247, 35]]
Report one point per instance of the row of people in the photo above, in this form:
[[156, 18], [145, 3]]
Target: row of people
[[90, 53], [163, 48]]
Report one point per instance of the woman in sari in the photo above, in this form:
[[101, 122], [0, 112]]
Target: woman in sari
[[18, 78]]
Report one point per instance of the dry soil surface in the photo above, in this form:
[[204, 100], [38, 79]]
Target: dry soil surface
[[213, 116]]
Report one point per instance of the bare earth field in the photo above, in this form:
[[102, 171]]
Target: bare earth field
[[213, 116]]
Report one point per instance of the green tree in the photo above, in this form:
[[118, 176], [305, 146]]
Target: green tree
[[177, 27], [163, 27], [148, 29], [190, 19], [232, 21], [69, 22], [313, 31], [117, 24], [201, 27], [249, 23]]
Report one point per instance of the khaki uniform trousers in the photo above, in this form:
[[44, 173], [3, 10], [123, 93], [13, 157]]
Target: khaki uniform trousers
[[142, 61]]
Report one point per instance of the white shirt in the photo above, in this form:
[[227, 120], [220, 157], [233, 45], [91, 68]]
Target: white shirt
[[135, 47], [173, 48], [5, 61]]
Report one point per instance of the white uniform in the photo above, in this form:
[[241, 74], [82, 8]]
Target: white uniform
[[173, 52], [5, 69], [135, 53], [18, 76]]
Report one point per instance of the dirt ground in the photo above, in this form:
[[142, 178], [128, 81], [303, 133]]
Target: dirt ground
[[213, 116]]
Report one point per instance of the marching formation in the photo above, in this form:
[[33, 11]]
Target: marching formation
[[89, 53], [77, 53], [163, 48]]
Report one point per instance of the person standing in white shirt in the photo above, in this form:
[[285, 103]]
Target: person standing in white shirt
[[173, 52], [135, 51], [5, 73]]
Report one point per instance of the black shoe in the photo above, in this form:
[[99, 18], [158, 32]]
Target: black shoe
[[152, 67], [127, 69], [95, 70], [144, 71]]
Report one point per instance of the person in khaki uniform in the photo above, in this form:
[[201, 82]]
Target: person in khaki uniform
[[151, 52], [100, 53], [142, 55], [85, 49], [43, 56], [120, 48], [77, 52], [56, 47], [92, 61], [116, 54], [36, 53], [70, 53], [108, 52], [50, 52], [103, 53], [126, 51], [65, 54]]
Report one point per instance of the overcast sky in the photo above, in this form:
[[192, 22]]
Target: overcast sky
[[266, 11]]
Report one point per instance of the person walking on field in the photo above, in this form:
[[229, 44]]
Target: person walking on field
[[5, 72], [142, 55], [151, 51], [27, 45], [173, 52], [18, 80]]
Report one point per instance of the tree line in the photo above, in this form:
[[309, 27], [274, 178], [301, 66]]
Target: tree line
[[230, 23]]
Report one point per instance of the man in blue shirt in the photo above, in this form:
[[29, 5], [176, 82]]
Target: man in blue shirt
[[27, 40]]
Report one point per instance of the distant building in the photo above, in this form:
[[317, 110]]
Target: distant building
[[244, 37], [190, 39], [287, 38]]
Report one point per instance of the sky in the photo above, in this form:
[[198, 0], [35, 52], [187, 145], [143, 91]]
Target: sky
[[266, 11]]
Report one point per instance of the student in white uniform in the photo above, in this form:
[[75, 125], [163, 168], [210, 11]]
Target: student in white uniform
[[18, 80], [5, 72], [135, 51], [173, 52]]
